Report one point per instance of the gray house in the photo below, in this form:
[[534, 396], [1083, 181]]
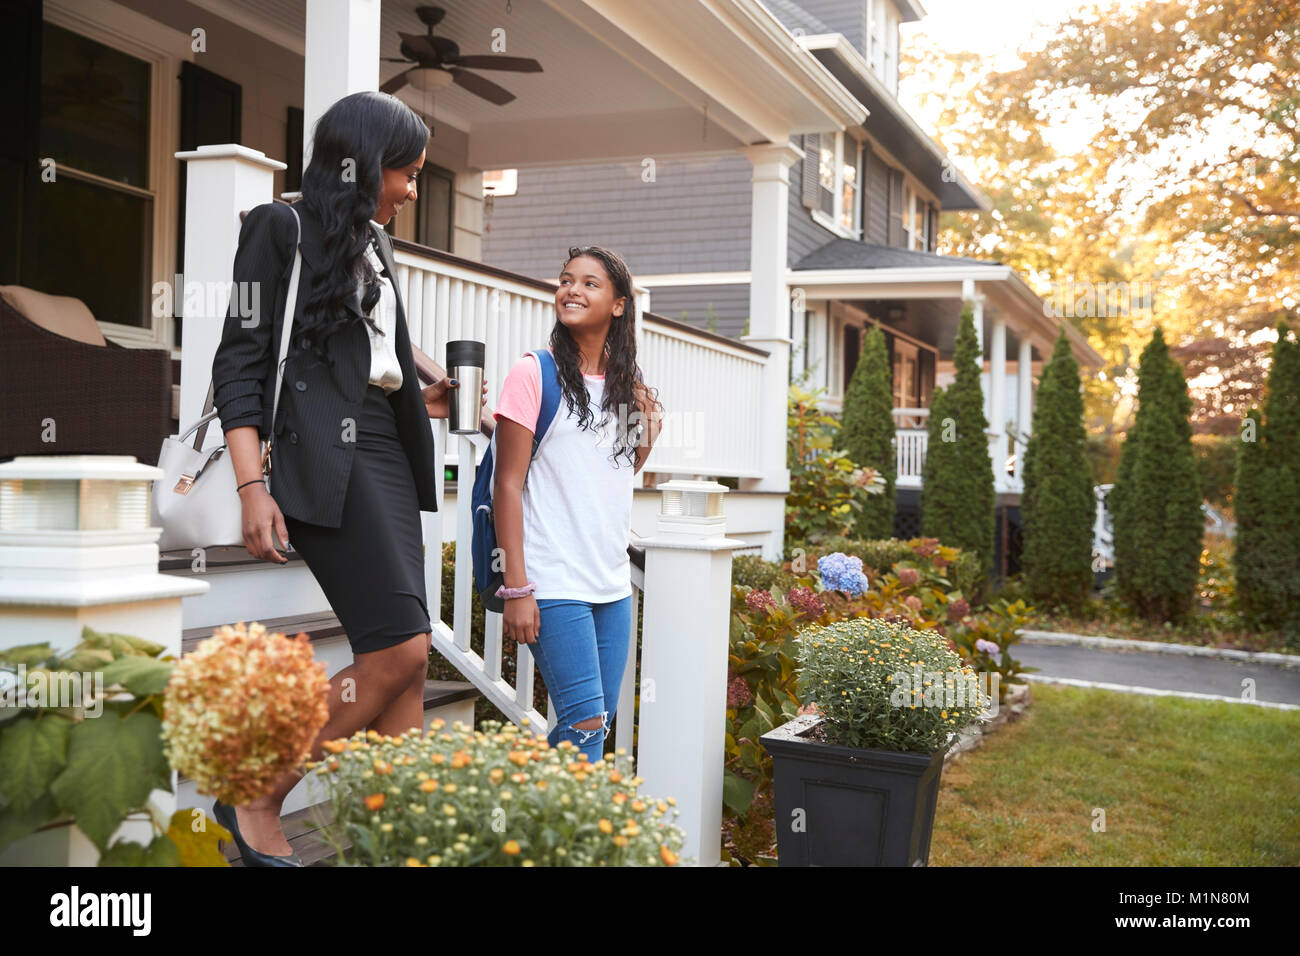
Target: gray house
[[861, 235]]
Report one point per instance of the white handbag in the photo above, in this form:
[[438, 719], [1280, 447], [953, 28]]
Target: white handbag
[[195, 502]]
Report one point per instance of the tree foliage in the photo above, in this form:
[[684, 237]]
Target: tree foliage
[[1267, 556], [957, 494], [1058, 505], [1156, 501], [867, 431]]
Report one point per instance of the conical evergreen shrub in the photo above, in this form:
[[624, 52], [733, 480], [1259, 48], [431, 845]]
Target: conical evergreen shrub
[[957, 495], [1156, 501], [867, 432], [1267, 499], [1058, 505]]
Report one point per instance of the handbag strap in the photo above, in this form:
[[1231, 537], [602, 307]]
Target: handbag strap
[[286, 331]]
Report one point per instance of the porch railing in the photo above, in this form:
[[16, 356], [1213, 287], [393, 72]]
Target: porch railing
[[709, 385], [910, 440]]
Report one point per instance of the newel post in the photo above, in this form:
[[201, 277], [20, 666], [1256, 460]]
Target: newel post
[[684, 646]]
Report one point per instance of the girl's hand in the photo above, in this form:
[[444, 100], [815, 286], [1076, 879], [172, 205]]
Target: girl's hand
[[521, 619], [437, 400], [263, 524]]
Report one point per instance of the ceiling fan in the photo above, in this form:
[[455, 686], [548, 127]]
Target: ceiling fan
[[439, 63]]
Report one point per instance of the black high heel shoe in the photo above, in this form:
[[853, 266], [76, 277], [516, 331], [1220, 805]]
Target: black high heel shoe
[[226, 816]]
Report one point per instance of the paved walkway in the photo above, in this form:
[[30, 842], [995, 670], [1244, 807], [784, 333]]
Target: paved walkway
[[1168, 672]]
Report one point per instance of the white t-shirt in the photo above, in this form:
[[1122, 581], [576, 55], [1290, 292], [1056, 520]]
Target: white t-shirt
[[577, 502]]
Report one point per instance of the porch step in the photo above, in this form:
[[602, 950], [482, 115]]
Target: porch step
[[305, 832], [443, 699]]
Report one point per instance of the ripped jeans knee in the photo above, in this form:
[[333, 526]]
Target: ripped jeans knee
[[589, 740]]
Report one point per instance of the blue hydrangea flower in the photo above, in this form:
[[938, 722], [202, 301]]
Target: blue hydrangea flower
[[842, 572]]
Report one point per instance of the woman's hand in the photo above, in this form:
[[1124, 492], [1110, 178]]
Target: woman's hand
[[437, 399], [263, 524], [521, 619]]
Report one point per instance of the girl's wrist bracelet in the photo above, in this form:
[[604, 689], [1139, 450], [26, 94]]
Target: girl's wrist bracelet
[[509, 593], [246, 484]]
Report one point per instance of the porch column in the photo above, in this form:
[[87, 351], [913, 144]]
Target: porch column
[[341, 57], [769, 306], [998, 402], [681, 730], [1024, 401], [221, 182]]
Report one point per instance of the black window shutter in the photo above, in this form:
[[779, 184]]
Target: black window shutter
[[811, 170], [933, 229], [896, 207], [20, 170]]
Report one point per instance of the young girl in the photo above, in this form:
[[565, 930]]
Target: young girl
[[565, 533], [353, 462]]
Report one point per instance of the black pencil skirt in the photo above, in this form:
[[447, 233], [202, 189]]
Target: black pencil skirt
[[372, 567]]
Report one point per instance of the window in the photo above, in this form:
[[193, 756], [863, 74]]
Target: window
[[839, 175], [882, 42], [98, 212], [915, 220], [436, 196], [875, 33]]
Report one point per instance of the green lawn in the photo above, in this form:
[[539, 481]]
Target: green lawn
[[1182, 783]]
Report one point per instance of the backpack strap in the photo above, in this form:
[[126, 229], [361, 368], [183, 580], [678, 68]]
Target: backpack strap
[[551, 394]]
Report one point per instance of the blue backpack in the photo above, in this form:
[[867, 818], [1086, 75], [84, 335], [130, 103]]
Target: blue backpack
[[486, 578]]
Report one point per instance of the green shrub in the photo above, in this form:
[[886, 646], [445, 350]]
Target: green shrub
[[827, 489], [1058, 504], [752, 571], [1156, 501], [957, 495], [867, 431], [1267, 559]]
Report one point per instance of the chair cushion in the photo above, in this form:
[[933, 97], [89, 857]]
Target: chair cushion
[[60, 314]]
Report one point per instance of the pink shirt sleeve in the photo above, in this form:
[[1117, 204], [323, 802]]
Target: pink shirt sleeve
[[521, 393]]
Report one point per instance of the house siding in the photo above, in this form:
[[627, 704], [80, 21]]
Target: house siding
[[875, 178], [693, 218], [840, 16], [730, 304]]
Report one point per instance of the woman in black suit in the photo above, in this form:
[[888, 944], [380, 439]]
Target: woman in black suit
[[353, 462]]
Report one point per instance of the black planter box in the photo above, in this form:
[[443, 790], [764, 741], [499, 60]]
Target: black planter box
[[860, 807]]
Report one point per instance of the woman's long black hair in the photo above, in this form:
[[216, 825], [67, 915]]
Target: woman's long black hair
[[621, 371], [353, 142]]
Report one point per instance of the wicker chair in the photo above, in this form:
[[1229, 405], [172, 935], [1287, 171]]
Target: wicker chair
[[102, 398]]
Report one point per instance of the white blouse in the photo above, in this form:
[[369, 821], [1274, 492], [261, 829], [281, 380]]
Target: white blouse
[[385, 371]]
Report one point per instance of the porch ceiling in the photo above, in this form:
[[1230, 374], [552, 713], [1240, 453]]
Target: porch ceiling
[[619, 79]]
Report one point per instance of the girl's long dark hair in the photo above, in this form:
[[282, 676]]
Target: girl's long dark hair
[[352, 143], [621, 370]]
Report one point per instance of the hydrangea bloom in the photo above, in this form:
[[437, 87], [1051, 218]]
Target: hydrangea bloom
[[908, 577], [243, 708], [957, 610], [759, 600], [988, 647], [805, 602], [738, 692], [842, 572]]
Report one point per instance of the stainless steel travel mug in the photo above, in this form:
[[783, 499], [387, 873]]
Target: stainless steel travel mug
[[465, 364]]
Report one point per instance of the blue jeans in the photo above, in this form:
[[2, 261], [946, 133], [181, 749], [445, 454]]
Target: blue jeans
[[581, 651]]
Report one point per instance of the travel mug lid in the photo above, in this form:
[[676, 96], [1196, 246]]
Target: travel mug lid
[[465, 352]]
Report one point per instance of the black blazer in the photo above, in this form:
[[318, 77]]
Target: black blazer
[[313, 446]]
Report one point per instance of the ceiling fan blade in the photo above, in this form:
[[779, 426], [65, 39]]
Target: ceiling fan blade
[[491, 61], [420, 46], [396, 83], [480, 86]]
